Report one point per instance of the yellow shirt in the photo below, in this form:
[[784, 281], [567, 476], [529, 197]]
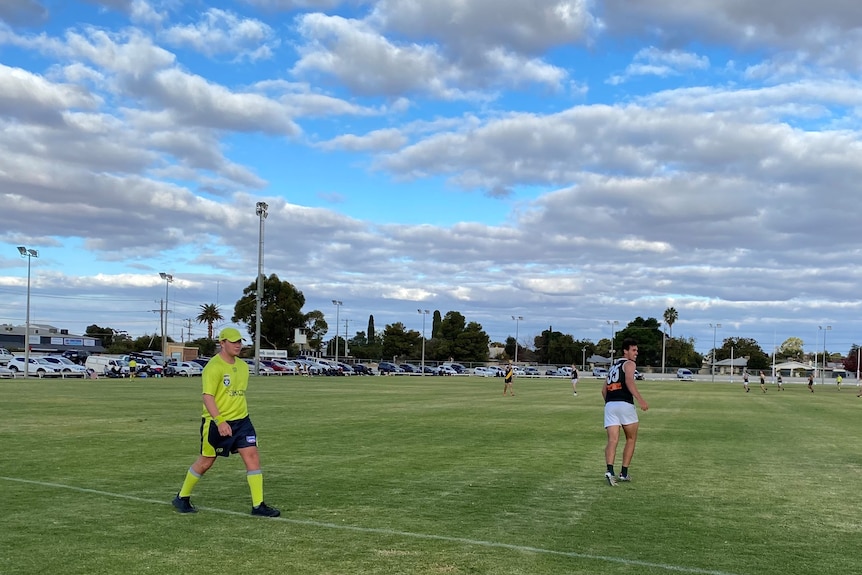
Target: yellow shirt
[[227, 383]]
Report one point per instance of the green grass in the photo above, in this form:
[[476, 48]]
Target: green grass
[[398, 475]]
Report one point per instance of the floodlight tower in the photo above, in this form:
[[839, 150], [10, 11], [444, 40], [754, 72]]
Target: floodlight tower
[[517, 318], [169, 279], [29, 254], [261, 211], [424, 313]]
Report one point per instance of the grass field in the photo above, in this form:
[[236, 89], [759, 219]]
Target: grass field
[[404, 475]]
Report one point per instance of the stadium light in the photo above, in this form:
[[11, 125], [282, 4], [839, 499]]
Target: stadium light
[[613, 325], [337, 303], [168, 280], [424, 313], [29, 254], [714, 329], [261, 211], [517, 318]]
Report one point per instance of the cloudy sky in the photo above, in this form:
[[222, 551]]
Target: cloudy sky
[[571, 162]]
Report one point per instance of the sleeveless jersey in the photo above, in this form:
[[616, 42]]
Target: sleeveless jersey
[[616, 385]]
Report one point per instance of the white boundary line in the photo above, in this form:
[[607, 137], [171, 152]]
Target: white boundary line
[[380, 531]]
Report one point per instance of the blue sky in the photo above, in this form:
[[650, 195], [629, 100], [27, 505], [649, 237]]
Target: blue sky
[[570, 162]]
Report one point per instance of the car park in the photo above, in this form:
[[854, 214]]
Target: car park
[[638, 375], [410, 368], [530, 370], [496, 370], [66, 366], [36, 367], [6, 373], [446, 370], [565, 371], [600, 372], [483, 371], [684, 374]]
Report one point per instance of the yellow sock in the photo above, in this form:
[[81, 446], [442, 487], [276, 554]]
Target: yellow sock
[[189, 483], [255, 483]]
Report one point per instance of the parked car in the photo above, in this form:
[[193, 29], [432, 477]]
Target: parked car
[[6, 373], [410, 368], [496, 370], [66, 366], [530, 370], [186, 368], [565, 371], [388, 368], [446, 370], [107, 366], [289, 367], [276, 368], [311, 367], [456, 366], [36, 367], [638, 375], [79, 356], [362, 369], [432, 369], [600, 372], [262, 369], [684, 374], [5, 356], [483, 371]]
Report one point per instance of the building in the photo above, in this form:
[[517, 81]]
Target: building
[[46, 339]]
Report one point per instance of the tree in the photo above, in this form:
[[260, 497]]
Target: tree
[[791, 348], [647, 332], [210, 314], [670, 317], [851, 361], [436, 322], [280, 311], [681, 352], [744, 347], [398, 342], [105, 334], [371, 336]]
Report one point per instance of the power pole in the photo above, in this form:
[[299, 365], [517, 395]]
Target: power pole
[[188, 321]]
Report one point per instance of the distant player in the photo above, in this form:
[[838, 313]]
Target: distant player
[[762, 382], [508, 378], [811, 382], [780, 383], [574, 380], [745, 381]]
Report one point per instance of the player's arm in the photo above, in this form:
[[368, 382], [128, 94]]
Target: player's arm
[[629, 369]]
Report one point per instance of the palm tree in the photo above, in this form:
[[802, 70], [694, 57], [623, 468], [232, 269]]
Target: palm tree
[[209, 315], [670, 317]]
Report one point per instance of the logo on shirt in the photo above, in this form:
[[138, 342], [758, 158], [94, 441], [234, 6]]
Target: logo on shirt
[[226, 380]]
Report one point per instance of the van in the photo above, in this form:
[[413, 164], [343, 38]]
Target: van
[[102, 365], [684, 374]]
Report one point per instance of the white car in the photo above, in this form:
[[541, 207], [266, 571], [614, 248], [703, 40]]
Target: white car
[[684, 374], [186, 368], [446, 370], [39, 368], [6, 373], [66, 366], [496, 370], [483, 371]]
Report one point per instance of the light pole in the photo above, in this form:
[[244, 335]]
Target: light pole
[[168, 280], [424, 313], [260, 210], [613, 325], [583, 359], [337, 303], [714, 327], [823, 371], [517, 318], [29, 254]]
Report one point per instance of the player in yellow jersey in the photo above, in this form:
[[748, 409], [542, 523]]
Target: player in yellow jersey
[[225, 424]]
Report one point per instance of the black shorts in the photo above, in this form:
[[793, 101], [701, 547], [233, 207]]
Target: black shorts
[[214, 445]]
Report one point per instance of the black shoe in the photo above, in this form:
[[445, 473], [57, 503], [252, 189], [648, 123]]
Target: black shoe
[[264, 510], [183, 505]]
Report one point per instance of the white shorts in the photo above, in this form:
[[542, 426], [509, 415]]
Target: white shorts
[[620, 413]]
